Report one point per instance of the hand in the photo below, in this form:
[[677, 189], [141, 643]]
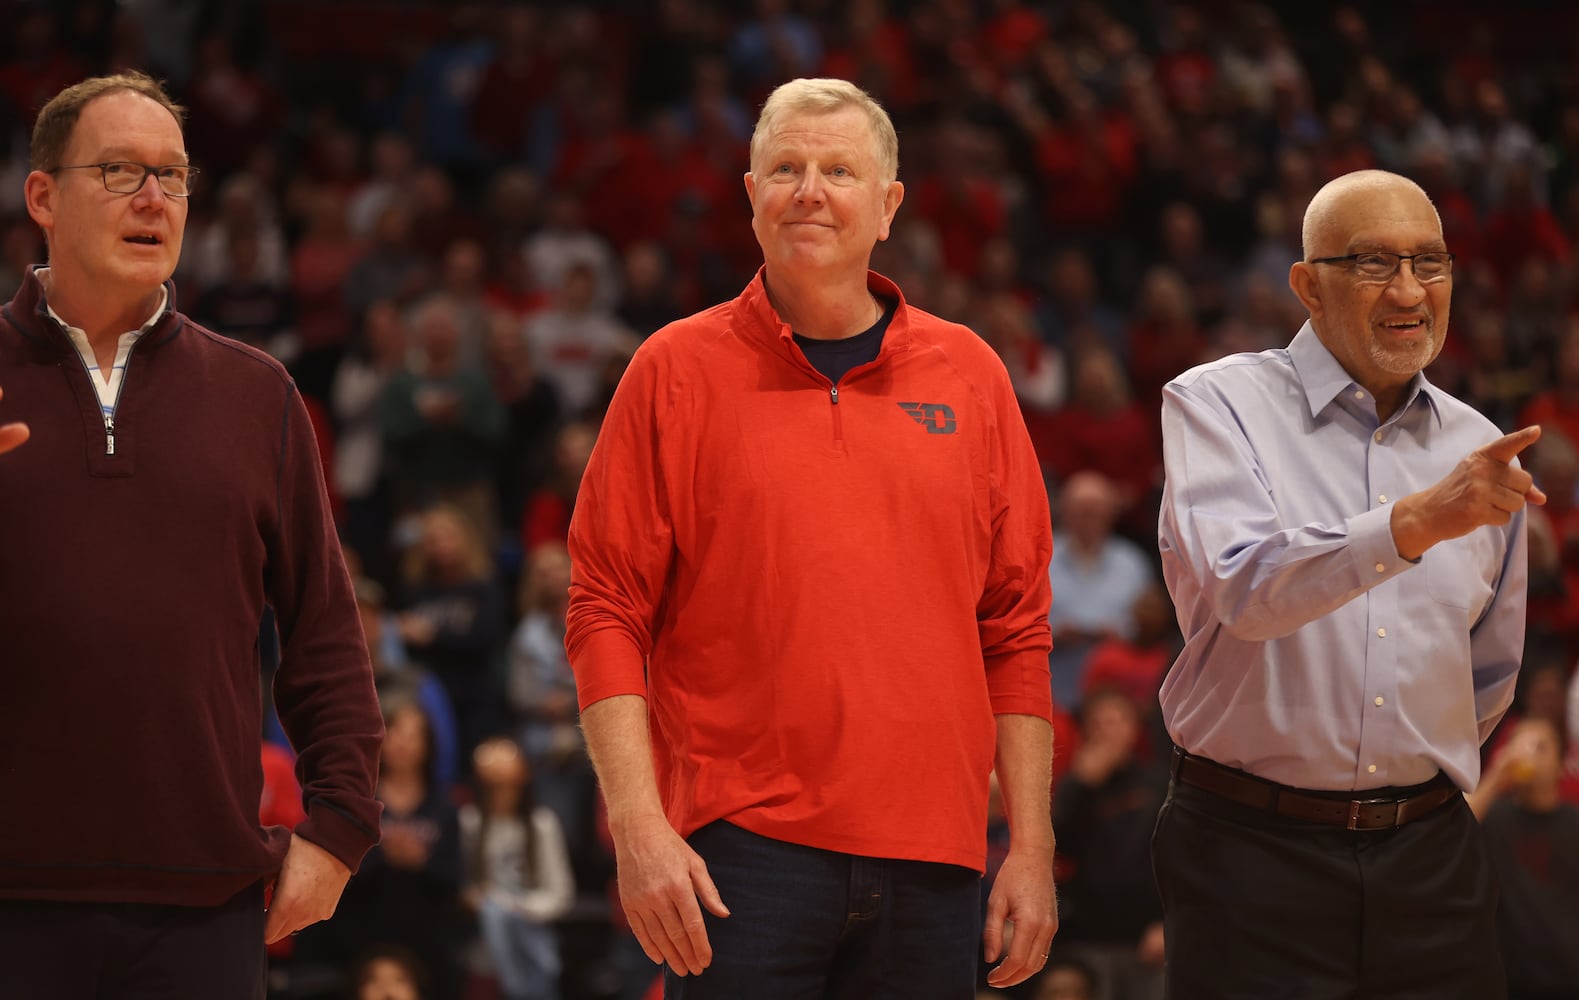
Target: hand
[[418, 629], [660, 881], [1022, 916], [306, 890], [1153, 950], [1484, 489], [12, 435], [403, 849], [1096, 760]]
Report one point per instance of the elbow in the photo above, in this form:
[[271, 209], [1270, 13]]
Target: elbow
[[1249, 623]]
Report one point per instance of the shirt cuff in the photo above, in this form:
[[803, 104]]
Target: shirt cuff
[[1372, 547]]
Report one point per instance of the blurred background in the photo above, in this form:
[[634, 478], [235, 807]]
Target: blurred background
[[455, 222]]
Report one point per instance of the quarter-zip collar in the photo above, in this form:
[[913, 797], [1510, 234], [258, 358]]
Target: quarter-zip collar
[[30, 315], [755, 317]]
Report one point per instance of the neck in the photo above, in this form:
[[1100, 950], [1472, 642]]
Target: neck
[[824, 310], [104, 318], [1388, 402]]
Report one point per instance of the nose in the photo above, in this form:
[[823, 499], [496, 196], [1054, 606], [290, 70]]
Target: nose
[[810, 189], [149, 192], [1405, 287]]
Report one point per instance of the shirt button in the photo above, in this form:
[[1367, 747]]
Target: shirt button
[[1371, 769], [1359, 394], [1381, 633], [1382, 498], [1378, 437], [1379, 700], [1381, 568]]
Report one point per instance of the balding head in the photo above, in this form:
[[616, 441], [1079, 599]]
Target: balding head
[[1335, 213], [1382, 326]]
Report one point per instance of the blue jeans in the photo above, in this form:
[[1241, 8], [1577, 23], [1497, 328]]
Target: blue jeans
[[808, 924], [525, 954]]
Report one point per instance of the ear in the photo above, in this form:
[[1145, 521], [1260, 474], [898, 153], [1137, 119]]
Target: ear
[[1302, 281], [38, 193], [891, 201], [751, 189]]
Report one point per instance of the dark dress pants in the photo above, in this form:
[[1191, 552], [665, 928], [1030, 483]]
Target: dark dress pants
[[133, 951], [1260, 906]]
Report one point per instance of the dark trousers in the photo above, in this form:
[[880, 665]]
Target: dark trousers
[[131, 951], [1258, 906], [807, 924]]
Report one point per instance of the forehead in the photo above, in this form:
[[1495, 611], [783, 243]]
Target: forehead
[[1398, 219], [847, 128], [128, 123]]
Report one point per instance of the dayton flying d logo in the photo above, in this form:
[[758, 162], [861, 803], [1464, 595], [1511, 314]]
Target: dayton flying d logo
[[937, 418]]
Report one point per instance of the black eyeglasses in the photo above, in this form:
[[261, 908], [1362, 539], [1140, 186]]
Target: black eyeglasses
[[124, 177], [1376, 266]]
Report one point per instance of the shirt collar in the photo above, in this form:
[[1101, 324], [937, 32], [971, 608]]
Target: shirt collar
[[164, 299], [1323, 378]]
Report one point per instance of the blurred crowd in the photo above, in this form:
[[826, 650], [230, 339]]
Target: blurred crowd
[[455, 222]]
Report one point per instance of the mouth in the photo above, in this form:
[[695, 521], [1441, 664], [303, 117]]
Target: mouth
[[1405, 326], [143, 239]]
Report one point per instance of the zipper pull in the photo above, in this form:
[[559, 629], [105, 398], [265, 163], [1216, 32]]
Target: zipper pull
[[833, 393], [109, 434]]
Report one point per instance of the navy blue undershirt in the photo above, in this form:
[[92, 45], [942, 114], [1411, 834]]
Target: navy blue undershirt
[[836, 357]]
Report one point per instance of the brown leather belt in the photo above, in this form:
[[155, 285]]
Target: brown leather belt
[[1352, 814]]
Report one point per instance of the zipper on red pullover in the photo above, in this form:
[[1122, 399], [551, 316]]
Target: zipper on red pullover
[[838, 418]]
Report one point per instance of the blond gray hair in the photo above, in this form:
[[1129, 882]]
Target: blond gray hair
[[824, 96]]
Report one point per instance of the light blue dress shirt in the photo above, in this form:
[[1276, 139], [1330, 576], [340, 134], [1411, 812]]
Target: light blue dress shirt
[[1314, 654]]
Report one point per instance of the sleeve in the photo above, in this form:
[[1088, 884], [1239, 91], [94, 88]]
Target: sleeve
[[621, 539], [1496, 642], [1220, 524], [1012, 615], [323, 689]]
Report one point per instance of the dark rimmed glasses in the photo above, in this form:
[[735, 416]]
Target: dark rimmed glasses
[[125, 177], [1373, 265]]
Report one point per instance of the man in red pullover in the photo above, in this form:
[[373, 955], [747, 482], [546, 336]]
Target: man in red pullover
[[159, 485], [809, 612]]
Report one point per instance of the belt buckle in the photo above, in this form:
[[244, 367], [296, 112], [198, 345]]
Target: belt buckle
[[1355, 805]]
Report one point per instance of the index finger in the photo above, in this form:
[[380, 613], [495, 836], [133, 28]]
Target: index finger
[[1507, 447]]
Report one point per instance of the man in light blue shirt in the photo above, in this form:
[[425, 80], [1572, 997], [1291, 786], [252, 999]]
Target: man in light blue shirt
[[1096, 575], [1345, 544]]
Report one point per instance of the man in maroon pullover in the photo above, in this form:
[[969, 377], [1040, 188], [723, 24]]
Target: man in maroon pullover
[[159, 485]]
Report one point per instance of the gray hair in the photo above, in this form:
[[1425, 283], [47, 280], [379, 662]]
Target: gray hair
[[823, 96]]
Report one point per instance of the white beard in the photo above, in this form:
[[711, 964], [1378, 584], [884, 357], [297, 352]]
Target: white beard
[[1404, 360]]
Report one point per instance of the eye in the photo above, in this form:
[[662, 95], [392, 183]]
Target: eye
[[783, 168], [117, 169], [175, 171], [840, 171], [1374, 263]]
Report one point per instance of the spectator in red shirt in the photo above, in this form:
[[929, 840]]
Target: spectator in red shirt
[[1520, 227], [1105, 430], [546, 517], [1164, 339], [959, 199]]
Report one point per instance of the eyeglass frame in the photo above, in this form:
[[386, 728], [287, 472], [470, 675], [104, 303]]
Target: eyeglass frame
[[149, 170], [1398, 263]]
